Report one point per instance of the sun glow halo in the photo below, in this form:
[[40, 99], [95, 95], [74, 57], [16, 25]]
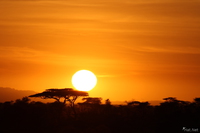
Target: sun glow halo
[[84, 80]]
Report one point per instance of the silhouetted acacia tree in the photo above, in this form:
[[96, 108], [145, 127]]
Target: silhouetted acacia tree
[[197, 100], [92, 100], [133, 103], [68, 94], [170, 99], [107, 102], [23, 100]]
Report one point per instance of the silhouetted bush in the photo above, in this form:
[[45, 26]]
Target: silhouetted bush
[[27, 116]]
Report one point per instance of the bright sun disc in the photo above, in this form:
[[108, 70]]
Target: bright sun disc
[[84, 80]]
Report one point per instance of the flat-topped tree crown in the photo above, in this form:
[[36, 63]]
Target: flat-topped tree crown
[[68, 94]]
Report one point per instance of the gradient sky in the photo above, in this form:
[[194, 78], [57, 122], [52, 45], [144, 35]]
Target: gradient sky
[[139, 49]]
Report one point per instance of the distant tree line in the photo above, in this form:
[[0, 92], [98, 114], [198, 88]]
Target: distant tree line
[[93, 116]]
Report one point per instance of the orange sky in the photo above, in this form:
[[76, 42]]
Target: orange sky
[[141, 49]]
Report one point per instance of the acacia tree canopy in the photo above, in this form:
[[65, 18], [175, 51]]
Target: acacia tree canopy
[[92, 100], [68, 94]]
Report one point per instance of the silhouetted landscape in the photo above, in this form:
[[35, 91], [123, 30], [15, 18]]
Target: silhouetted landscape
[[132, 66], [96, 116]]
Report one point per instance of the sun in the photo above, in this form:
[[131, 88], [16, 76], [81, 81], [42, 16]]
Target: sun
[[84, 80]]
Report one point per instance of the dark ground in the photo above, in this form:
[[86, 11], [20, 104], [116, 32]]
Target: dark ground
[[23, 116]]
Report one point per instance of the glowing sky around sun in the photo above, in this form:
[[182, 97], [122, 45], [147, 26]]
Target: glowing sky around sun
[[141, 49]]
